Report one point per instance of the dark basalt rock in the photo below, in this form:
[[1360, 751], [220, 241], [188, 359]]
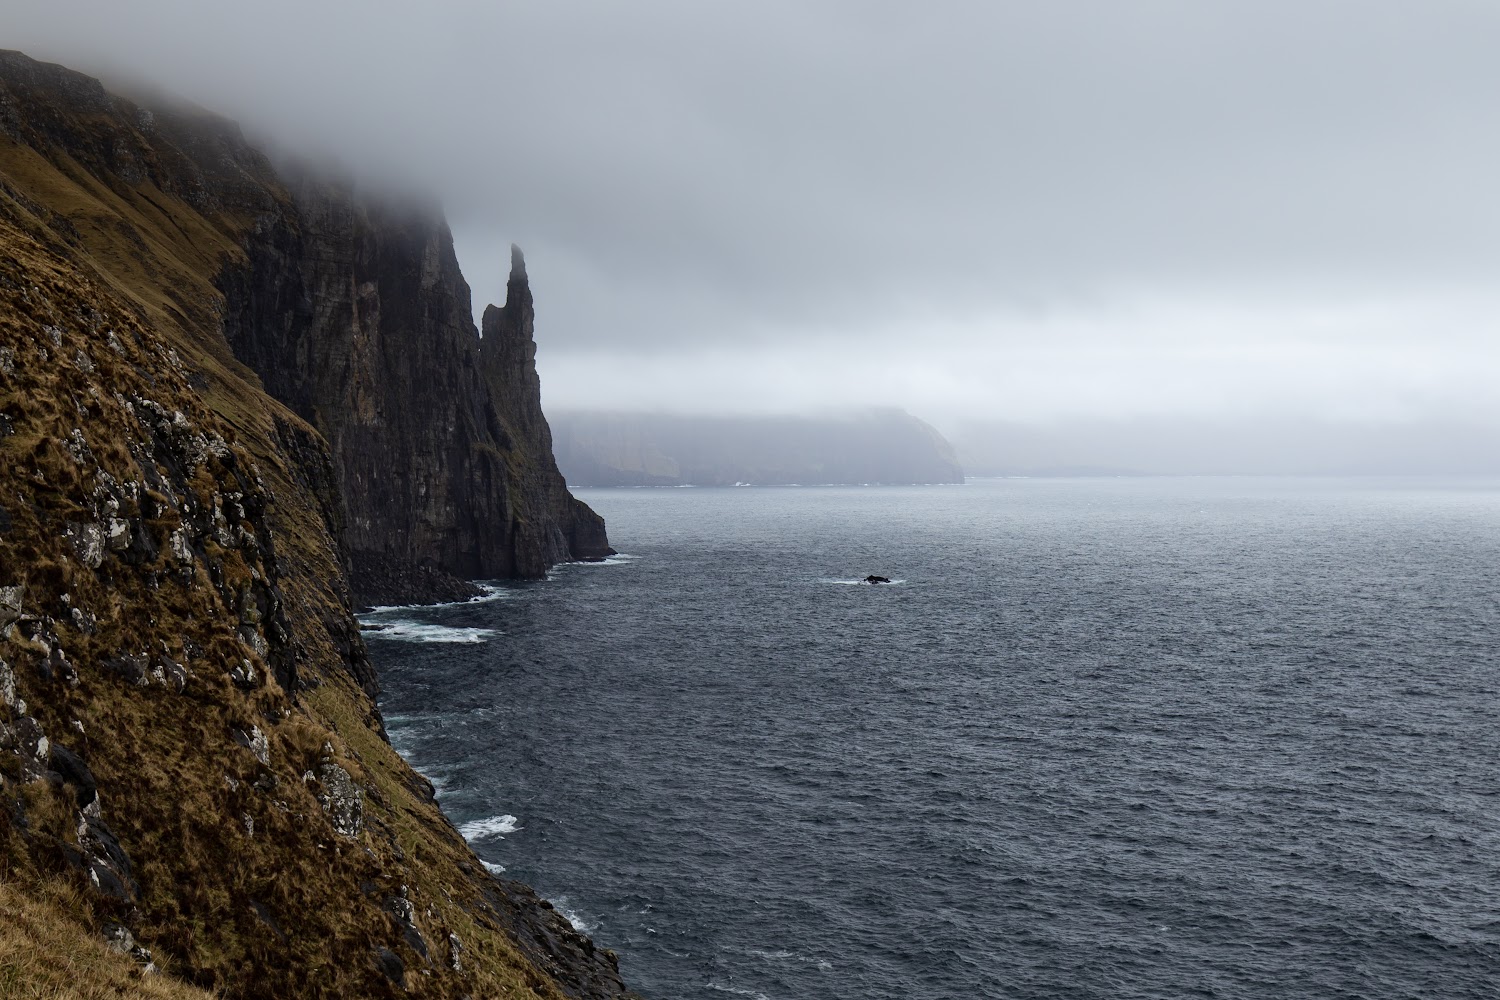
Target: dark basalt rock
[[132, 669], [355, 315], [549, 940], [73, 771], [390, 963], [105, 861], [873, 579]]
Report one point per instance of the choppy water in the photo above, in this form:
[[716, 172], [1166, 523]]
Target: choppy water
[[1108, 738]]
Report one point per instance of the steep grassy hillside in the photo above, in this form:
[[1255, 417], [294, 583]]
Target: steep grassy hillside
[[191, 762]]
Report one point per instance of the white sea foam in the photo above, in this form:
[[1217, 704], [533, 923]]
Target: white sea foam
[[491, 867], [489, 592], [401, 630], [490, 826], [822, 965], [561, 905], [618, 559]]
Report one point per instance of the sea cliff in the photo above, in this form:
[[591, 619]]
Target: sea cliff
[[232, 403]]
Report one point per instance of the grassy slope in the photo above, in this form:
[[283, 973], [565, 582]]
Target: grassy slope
[[45, 953], [244, 886]]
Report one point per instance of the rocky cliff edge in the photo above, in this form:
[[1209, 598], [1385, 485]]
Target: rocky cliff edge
[[196, 795]]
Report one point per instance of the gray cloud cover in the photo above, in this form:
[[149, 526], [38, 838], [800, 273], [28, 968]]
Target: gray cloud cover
[[978, 210]]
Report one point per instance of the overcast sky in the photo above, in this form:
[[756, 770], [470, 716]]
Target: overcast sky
[[977, 210]]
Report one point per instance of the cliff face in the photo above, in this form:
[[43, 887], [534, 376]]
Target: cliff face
[[192, 767], [627, 449], [357, 317], [508, 364]]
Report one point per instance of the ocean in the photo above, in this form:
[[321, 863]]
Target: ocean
[[1200, 737]]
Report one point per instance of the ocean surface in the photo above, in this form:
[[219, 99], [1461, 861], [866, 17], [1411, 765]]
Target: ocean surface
[[1102, 738]]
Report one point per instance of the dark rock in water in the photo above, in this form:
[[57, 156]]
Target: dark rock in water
[[872, 578]]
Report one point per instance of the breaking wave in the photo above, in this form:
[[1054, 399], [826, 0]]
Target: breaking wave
[[409, 631], [490, 826]]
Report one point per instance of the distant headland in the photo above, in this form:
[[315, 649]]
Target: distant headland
[[884, 446]]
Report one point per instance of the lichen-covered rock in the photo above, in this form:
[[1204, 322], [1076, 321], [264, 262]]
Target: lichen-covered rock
[[34, 747], [244, 675], [179, 546], [88, 542], [342, 800], [173, 674], [10, 604], [119, 938], [104, 860], [9, 700], [256, 742], [455, 952]]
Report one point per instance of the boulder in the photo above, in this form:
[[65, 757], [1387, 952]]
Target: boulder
[[342, 800], [390, 963], [75, 772], [10, 605], [255, 741], [131, 669], [9, 700]]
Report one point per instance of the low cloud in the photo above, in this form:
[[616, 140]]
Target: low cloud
[[971, 209]]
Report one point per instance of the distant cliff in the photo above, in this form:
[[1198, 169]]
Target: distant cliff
[[876, 446], [218, 391]]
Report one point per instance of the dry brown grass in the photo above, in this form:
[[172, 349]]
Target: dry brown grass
[[46, 953]]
